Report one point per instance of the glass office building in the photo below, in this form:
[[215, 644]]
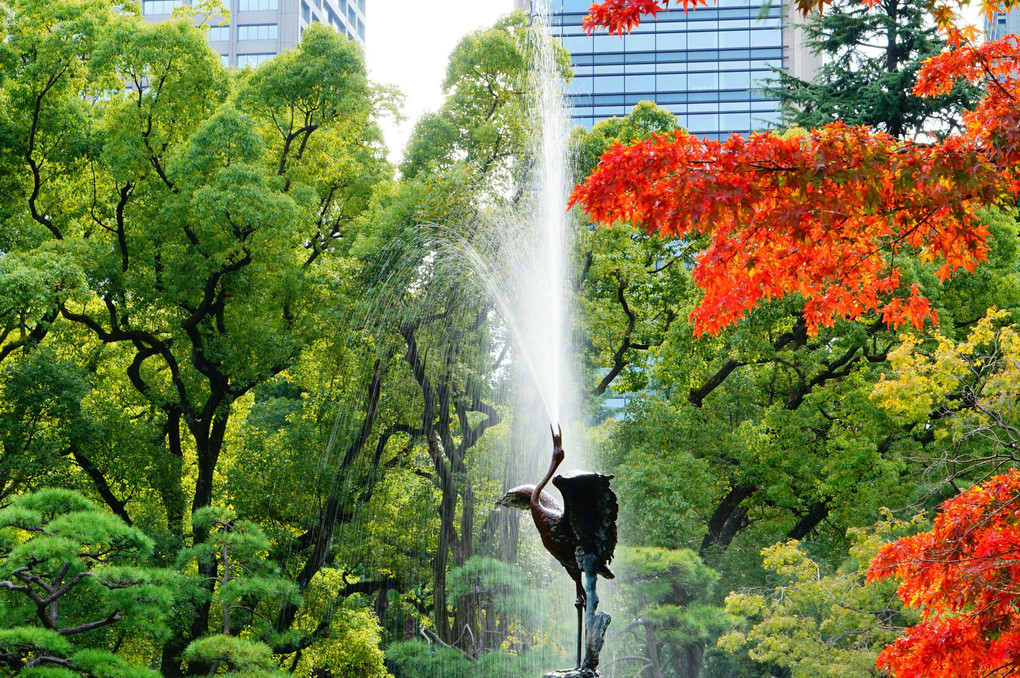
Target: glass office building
[[260, 29], [1002, 24], [705, 66]]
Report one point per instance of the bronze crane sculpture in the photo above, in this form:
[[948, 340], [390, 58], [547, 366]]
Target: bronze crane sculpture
[[581, 534]]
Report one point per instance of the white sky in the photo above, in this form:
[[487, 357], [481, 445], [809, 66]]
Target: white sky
[[407, 44]]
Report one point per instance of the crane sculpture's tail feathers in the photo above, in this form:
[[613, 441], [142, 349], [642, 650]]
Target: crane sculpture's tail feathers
[[590, 506]]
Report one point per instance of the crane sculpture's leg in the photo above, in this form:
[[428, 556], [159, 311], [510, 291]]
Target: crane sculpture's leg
[[590, 579], [579, 604], [595, 622]]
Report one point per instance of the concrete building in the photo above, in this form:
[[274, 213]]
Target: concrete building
[[261, 29], [704, 66]]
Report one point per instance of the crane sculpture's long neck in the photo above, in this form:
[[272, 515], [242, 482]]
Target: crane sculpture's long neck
[[557, 459]]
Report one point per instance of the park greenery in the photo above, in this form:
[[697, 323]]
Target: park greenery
[[255, 410]]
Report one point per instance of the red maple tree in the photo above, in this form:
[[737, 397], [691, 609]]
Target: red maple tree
[[964, 578], [824, 214]]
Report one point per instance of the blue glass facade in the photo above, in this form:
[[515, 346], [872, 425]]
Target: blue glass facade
[[704, 66], [1002, 24]]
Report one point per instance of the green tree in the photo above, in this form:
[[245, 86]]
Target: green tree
[[75, 587], [184, 229], [631, 285], [818, 623], [244, 580], [670, 611], [351, 650], [962, 389]]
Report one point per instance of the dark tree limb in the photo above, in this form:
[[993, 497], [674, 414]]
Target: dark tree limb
[[102, 486], [726, 519], [34, 336], [322, 533], [99, 623], [816, 513], [697, 395], [627, 343]]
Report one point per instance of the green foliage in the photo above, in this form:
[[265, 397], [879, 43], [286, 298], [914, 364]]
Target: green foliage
[[418, 659], [352, 650], [29, 652], [964, 391], [245, 578], [734, 442], [174, 236], [657, 451], [633, 286], [234, 656], [643, 121], [500, 590], [80, 573], [671, 614], [223, 322], [484, 123], [816, 623], [870, 58]]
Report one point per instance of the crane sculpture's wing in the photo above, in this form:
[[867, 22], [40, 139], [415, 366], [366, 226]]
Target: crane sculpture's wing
[[590, 508]]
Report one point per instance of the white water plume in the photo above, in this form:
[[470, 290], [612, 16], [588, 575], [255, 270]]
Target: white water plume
[[543, 294]]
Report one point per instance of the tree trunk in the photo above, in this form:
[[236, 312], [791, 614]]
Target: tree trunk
[[652, 648], [170, 491], [208, 445], [687, 659], [447, 541]]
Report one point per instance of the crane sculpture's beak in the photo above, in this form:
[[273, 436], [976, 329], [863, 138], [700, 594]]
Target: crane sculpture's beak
[[558, 454], [557, 436]]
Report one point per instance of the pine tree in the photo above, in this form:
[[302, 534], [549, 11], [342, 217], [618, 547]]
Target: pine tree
[[871, 54]]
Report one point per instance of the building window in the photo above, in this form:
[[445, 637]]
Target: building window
[[640, 83], [218, 33], [361, 6], [735, 122], [703, 123], [224, 59], [703, 81], [706, 40], [361, 29], [257, 32], [257, 5], [306, 12], [735, 38], [672, 82], [770, 36], [639, 43], [735, 80], [330, 16], [150, 7], [579, 86], [609, 83], [253, 60]]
